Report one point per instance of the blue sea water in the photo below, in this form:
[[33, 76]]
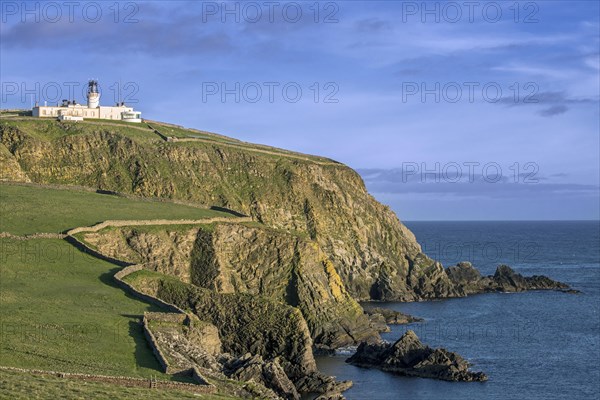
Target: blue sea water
[[533, 345]]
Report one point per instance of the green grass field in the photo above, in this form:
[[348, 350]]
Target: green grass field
[[17, 386], [60, 310], [30, 209]]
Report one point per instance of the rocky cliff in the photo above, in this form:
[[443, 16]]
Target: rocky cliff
[[254, 329], [357, 247], [251, 259], [373, 253]]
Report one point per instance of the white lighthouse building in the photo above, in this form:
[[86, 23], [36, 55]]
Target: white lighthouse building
[[93, 96], [72, 111]]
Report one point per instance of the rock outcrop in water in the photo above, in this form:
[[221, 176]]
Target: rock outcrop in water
[[409, 357], [467, 280], [382, 317]]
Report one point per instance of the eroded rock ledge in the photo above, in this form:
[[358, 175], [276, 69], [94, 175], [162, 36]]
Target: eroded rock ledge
[[409, 357]]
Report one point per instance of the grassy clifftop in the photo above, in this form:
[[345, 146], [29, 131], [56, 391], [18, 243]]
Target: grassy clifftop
[[29, 209], [327, 201]]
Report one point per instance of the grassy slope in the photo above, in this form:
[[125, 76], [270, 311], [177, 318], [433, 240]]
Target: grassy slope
[[50, 129], [29, 209], [59, 308], [60, 311], [16, 385]]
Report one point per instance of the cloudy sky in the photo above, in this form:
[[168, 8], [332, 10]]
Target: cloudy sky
[[449, 110]]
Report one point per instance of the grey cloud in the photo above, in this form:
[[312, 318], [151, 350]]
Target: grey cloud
[[553, 110], [557, 102], [490, 190], [372, 25], [394, 181], [146, 36], [544, 98]]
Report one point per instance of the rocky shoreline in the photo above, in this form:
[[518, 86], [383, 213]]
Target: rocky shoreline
[[409, 357]]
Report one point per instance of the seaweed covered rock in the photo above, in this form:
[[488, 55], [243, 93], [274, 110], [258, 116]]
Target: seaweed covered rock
[[465, 278], [507, 280]]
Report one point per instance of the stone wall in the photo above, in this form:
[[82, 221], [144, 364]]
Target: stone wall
[[121, 380], [151, 222], [118, 277], [88, 250], [32, 236], [162, 358]]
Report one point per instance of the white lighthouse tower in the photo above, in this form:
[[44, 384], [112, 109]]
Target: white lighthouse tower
[[70, 110], [93, 96]]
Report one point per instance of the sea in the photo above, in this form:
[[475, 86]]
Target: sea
[[532, 345]]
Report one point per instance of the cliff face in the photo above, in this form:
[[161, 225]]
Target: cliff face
[[357, 239], [10, 170], [373, 253], [246, 324], [236, 258]]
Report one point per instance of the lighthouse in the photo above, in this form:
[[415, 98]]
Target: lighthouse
[[70, 110], [93, 96]]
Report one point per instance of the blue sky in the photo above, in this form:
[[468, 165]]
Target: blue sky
[[448, 112]]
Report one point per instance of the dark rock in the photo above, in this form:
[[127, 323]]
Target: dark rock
[[507, 280], [275, 334], [463, 273], [409, 357], [378, 322], [269, 374], [380, 317], [468, 280], [322, 384], [331, 396]]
